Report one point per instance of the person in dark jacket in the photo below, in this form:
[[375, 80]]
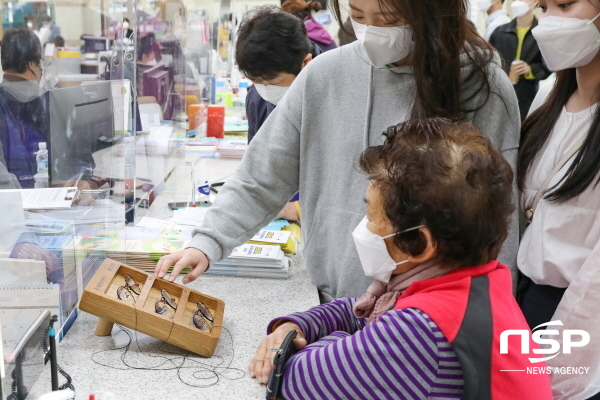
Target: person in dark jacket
[[272, 48], [523, 60], [127, 31], [24, 113]]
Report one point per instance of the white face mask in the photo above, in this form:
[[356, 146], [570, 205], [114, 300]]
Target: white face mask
[[125, 26], [384, 45], [567, 42], [519, 8], [374, 257], [271, 93], [484, 5]]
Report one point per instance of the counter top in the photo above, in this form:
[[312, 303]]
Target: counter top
[[250, 303]]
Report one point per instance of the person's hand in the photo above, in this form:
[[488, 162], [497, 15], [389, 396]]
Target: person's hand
[[190, 257], [262, 363], [289, 212], [517, 69], [522, 68], [513, 75]]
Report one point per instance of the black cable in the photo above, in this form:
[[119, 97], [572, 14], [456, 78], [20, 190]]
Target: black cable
[[178, 361], [68, 384]]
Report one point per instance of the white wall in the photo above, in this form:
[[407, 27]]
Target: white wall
[[75, 20]]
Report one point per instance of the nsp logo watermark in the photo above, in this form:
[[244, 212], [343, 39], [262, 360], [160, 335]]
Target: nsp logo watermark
[[570, 338]]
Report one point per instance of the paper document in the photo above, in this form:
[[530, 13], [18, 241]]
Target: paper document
[[48, 198], [20, 305], [193, 216], [140, 233], [18, 271], [149, 222]]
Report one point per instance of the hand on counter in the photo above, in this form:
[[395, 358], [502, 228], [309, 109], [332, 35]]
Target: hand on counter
[[261, 364], [190, 257]]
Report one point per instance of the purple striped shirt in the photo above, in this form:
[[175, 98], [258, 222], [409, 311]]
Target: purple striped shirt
[[402, 355]]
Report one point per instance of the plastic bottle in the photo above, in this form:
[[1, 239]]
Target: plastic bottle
[[221, 89], [41, 160], [244, 84], [197, 119]]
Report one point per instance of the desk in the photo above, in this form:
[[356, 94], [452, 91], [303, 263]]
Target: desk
[[250, 304]]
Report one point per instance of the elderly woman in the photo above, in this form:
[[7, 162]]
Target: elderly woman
[[429, 326]]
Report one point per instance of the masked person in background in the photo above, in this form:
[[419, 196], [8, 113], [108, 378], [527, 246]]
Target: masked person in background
[[496, 15], [412, 59], [51, 27], [316, 31], [559, 255], [438, 206], [522, 57], [272, 48], [24, 112], [127, 31]]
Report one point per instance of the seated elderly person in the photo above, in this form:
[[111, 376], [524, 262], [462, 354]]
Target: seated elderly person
[[429, 325]]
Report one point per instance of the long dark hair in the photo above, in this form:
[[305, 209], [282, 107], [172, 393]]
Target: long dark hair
[[536, 130], [442, 33]]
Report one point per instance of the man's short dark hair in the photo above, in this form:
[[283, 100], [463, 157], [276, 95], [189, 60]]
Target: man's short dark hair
[[46, 18], [449, 177], [271, 42], [19, 47], [59, 41]]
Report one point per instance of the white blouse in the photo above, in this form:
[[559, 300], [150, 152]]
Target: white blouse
[[561, 248], [561, 236]]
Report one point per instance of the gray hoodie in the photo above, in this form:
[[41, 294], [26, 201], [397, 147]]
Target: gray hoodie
[[337, 107]]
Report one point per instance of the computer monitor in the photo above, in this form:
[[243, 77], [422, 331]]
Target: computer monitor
[[81, 122], [93, 44]]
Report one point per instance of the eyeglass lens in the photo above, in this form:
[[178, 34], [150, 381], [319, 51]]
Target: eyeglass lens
[[201, 316], [131, 284], [123, 293], [200, 322], [127, 291]]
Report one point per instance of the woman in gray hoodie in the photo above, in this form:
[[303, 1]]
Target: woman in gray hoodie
[[412, 59]]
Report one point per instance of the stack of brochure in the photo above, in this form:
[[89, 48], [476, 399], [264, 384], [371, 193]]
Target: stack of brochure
[[261, 261], [232, 149], [142, 246], [285, 239], [136, 253]]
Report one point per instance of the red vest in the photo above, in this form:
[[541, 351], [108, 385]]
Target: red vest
[[472, 306]]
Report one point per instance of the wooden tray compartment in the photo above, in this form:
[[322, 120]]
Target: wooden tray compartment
[[174, 326]]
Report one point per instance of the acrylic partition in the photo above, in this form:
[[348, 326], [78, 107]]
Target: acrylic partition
[[67, 160], [99, 103]]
